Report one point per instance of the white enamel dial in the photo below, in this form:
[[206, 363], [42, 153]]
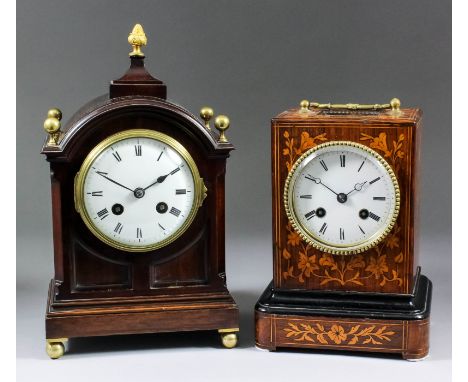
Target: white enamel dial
[[138, 190], [342, 197]]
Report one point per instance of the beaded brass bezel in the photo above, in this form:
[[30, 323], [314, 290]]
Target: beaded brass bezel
[[317, 242], [199, 187]]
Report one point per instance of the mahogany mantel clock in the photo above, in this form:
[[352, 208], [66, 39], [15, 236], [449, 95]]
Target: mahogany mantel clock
[[138, 215], [345, 231]]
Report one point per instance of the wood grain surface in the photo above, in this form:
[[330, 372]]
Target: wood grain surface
[[387, 268], [100, 290]]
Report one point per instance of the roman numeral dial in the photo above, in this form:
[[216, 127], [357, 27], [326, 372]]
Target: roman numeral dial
[[117, 156], [138, 190], [138, 150], [323, 164], [342, 196], [343, 160], [310, 215], [95, 193], [102, 214], [118, 228]]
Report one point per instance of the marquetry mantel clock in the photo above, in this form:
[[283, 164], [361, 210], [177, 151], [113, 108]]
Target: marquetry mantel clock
[[138, 215], [345, 232]]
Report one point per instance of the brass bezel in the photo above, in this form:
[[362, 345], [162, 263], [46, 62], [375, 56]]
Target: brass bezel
[[315, 241], [199, 187]]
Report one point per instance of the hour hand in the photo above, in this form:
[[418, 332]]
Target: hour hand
[[162, 178], [357, 187]]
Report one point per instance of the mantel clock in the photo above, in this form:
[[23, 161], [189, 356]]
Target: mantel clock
[[345, 232], [138, 215]]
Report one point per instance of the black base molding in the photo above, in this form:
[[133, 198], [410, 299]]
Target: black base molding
[[330, 320], [414, 306]]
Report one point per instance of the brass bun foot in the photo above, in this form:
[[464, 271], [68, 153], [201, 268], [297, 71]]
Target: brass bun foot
[[228, 337], [55, 347]]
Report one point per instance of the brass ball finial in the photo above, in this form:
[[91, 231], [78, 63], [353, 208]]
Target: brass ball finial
[[222, 124], [54, 113], [52, 125], [137, 39], [395, 104], [304, 105], [206, 113]]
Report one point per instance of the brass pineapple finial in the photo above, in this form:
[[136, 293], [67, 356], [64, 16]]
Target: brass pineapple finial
[[137, 39], [222, 124], [52, 126], [206, 113]]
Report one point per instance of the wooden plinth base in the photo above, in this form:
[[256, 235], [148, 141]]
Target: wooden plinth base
[[84, 318], [385, 324]]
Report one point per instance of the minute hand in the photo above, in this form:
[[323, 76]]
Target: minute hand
[[319, 181], [115, 182]]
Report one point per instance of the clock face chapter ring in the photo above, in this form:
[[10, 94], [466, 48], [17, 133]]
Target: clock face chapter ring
[[342, 197], [138, 190]]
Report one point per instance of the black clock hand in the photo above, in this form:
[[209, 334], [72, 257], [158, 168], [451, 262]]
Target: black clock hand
[[319, 181], [162, 178], [357, 187], [113, 181]]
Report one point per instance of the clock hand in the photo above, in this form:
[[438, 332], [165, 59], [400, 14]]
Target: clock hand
[[357, 187], [161, 179], [319, 181], [113, 181]]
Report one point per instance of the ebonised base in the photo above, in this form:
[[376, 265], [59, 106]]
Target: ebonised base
[[346, 321]]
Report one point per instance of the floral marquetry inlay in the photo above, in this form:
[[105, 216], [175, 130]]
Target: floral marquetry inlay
[[337, 334], [341, 269], [392, 153], [382, 265], [295, 148]]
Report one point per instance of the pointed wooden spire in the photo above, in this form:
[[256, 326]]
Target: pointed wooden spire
[[137, 80]]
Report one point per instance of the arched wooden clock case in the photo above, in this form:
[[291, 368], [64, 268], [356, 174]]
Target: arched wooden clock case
[[99, 290]]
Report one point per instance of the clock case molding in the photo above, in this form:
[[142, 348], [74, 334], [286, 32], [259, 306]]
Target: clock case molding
[[318, 300], [98, 290]]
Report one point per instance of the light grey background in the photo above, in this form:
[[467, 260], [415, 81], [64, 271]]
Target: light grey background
[[249, 60]]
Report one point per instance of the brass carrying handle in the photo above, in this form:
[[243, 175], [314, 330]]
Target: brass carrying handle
[[394, 104]]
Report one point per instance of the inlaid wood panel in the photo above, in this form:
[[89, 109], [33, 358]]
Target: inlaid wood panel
[[410, 338], [388, 267]]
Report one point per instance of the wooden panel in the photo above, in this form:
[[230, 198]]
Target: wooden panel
[[112, 275], [387, 268], [187, 269], [110, 316], [410, 338], [204, 318]]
